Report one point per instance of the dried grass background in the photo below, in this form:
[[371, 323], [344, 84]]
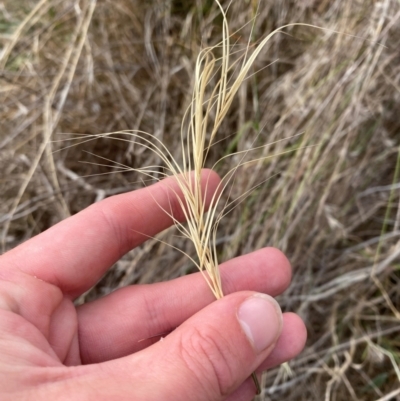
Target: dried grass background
[[332, 204]]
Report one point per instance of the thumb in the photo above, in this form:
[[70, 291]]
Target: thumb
[[216, 350]]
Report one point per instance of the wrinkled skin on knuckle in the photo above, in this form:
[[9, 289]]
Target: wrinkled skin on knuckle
[[208, 357]]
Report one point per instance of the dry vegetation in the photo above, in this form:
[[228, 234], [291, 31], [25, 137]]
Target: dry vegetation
[[330, 201]]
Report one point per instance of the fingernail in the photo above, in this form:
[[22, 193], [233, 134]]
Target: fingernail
[[261, 319]]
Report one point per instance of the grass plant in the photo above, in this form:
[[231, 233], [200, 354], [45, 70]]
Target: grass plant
[[72, 69]]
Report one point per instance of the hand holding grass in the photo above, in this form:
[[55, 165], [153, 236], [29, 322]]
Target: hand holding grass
[[50, 350]]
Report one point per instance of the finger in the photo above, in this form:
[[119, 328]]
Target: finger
[[290, 343], [244, 393], [207, 358], [75, 253], [137, 313]]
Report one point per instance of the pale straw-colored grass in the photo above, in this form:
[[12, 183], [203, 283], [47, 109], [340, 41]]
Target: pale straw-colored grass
[[327, 103]]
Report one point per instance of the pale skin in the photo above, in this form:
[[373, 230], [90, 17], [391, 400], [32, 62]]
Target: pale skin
[[51, 350]]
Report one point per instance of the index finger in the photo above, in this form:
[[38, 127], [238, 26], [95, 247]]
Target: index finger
[[75, 253]]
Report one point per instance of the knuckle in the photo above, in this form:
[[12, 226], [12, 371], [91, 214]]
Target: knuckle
[[208, 357]]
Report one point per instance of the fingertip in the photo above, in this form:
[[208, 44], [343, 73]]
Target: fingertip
[[261, 319], [221, 345], [282, 276], [210, 176], [290, 343], [295, 321]]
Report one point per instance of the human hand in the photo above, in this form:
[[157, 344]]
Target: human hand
[[51, 350]]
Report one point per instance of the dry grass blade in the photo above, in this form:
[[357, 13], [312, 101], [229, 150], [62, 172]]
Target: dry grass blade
[[50, 120]]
